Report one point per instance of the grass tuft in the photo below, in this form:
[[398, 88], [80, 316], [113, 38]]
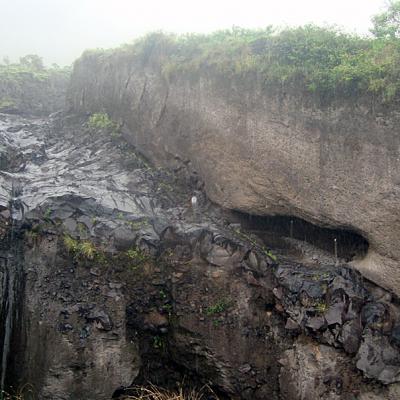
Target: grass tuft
[[80, 249], [155, 393]]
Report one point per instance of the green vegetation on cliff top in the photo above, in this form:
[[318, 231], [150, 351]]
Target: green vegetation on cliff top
[[29, 67], [323, 61]]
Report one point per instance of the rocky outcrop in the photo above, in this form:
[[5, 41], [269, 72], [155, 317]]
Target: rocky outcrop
[[110, 279], [259, 150]]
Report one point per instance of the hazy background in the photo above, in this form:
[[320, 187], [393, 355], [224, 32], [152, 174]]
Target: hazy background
[[59, 30]]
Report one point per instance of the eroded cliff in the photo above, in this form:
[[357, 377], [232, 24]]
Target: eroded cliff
[[260, 149]]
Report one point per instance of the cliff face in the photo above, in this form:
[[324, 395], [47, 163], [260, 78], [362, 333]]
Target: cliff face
[[261, 151], [110, 279]]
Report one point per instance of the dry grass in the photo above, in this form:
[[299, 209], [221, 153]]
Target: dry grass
[[24, 392], [155, 393]]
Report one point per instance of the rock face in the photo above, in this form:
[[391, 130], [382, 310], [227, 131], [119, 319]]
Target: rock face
[[110, 279], [260, 151]]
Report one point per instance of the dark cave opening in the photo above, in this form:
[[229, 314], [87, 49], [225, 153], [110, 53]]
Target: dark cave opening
[[276, 232], [162, 371]]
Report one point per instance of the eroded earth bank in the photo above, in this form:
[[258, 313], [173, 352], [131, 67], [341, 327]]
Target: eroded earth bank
[[262, 149]]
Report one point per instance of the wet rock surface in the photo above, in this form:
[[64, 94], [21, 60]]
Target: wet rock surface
[[123, 283]]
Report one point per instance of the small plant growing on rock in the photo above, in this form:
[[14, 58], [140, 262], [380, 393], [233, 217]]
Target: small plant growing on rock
[[137, 255], [70, 244], [32, 237], [167, 308], [103, 123], [321, 307], [163, 295], [80, 249], [47, 213], [158, 342], [88, 250], [217, 308], [34, 234], [216, 323], [269, 254]]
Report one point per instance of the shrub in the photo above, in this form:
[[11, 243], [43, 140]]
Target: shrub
[[102, 122], [387, 24], [323, 61], [30, 67]]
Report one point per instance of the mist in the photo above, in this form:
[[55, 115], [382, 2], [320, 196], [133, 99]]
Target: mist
[[60, 30]]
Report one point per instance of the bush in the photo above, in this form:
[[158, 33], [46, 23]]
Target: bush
[[103, 123], [387, 24], [30, 67], [323, 61]]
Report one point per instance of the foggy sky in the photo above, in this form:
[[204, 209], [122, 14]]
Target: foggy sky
[[59, 30]]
